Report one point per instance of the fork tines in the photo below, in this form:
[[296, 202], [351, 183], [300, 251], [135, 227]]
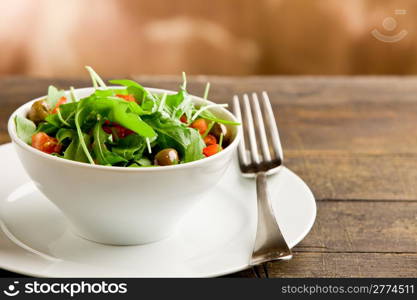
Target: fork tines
[[260, 147]]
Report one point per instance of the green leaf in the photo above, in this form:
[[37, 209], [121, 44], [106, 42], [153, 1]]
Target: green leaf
[[25, 128], [67, 112], [74, 150], [182, 106], [130, 147], [64, 134], [118, 111], [53, 96], [142, 95], [95, 78], [174, 100], [102, 153], [107, 92], [81, 137], [48, 128], [208, 115], [126, 82], [144, 162], [134, 107], [194, 150], [173, 134]]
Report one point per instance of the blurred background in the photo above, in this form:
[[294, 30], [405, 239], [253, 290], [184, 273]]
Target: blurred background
[[56, 38]]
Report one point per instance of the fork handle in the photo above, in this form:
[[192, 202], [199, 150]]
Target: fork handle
[[269, 243]]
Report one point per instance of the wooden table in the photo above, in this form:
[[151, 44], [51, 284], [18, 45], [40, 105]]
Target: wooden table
[[352, 139]]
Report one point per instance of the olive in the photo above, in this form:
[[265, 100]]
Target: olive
[[38, 112], [166, 157], [217, 131]]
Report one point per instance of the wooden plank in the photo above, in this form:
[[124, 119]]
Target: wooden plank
[[346, 176], [363, 226], [345, 265]]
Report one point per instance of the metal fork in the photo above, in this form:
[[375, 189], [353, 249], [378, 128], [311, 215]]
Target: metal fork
[[254, 162]]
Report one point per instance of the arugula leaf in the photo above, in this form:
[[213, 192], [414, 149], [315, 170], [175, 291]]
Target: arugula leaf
[[118, 111], [142, 95], [95, 78], [126, 82], [103, 155], [174, 100], [130, 147], [208, 115], [108, 92], [194, 150], [144, 162], [48, 128], [173, 134], [53, 96], [74, 150], [25, 128], [134, 107], [80, 137], [67, 112]]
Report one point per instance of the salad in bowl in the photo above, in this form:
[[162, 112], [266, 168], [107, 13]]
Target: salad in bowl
[[125, 126], [124, 164]]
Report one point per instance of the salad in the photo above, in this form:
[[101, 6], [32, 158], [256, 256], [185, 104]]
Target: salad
[[124, 127]]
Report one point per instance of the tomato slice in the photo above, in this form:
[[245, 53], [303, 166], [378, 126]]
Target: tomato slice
[[122, 131], [61, 101], [210, 140], [116, 129], [183, 119], [129, 98], [200, 125], [45, 143], [211, 150]]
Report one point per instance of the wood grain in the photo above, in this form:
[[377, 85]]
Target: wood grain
[[353, 140], [355, 265], [363, 226]]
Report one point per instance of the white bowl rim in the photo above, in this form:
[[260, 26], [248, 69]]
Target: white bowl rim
[[12, 132]]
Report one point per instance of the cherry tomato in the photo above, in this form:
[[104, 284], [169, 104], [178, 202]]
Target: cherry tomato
[[129, 98], [122, 131], [211, 150], [200, 125], [210, 140], [61, 101], [45, 143], [114, 128], [183, 119]]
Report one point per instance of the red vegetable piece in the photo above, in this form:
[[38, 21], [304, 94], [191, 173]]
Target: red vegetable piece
[[61, 101], [45, 143], [200, 125], [183, 119], [122, 131], [129, 98], [211, 150], [210, 140], [114, 128]]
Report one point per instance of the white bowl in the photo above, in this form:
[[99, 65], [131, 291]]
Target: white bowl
[[123, 206]]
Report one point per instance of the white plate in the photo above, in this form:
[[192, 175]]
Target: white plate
[[35, 239]]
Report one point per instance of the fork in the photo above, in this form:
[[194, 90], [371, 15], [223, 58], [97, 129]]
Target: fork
[[262, 157]]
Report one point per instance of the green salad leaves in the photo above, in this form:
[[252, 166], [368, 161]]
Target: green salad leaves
[[127, 126]]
